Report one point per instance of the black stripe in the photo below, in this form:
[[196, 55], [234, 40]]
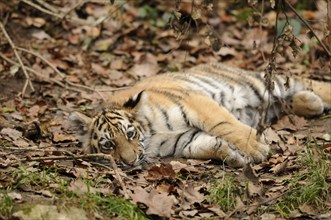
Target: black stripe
[[261, 77], [222, 97], [256, 92], [243, 82], [187, 122], [175, 146], [166, 116], [209, 81], [193, 137], [149, 125], [218, 124], [96, 122], [163, 142], [197, 83], [114, 118], [168, 94], [100, 125], [116, 113], [281, 87], [230, 132]]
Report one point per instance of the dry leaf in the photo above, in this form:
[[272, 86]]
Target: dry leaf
[[74, 38], [271, 136], [218, 211], [250, 173], [59, 137], [280, 168], [40, 35], [159, 204], [143, 70], [254, 190], [160, 172], [15, 195], [189, 214], [290, 122], [13, 134], [177, 166]]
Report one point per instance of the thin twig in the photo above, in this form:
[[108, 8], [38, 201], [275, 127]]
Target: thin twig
[[114, 166], [43, 59], [57, 15], [45, 77], [308, 26], [27, 76], [42, 9], [86, 88], [109, 14], [48, 6], [72, 8], [33, 71], [60, 73], [329, 18], [33, 148], [110, 169], [112, 89], [260, 32]]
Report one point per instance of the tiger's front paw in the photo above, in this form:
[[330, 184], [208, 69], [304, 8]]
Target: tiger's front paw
[[257, 150], [260, 152]]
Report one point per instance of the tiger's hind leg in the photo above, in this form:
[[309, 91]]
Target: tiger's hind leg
[[307, 104], [205, 146]]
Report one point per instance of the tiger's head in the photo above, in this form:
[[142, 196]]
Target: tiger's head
[[113, 131]]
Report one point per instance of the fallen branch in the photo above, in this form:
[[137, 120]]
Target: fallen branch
[[50, 11], [46, 11], [60, 73], [48, 6], [43, 59], [13, 46], [37, 73], [72, 8], [308, 26], [84, 156]]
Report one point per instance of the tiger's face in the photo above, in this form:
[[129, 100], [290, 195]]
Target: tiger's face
[[112, 132]]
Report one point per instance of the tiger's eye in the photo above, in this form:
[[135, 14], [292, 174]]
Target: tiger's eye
[[109, 145], [130, 134]]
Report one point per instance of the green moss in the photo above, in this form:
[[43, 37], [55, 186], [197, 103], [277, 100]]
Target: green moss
[[310, 187], [6, 205], [223, 193]]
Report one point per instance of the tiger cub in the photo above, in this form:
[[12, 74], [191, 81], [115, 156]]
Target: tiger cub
[[207, 112]]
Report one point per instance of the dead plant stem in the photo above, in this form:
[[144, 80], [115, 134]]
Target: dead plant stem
[[13, 46], [38, 7], [43, 59], [60, 73], [308, 26]]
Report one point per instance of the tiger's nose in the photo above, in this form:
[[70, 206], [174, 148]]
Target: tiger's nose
[[137, 161]]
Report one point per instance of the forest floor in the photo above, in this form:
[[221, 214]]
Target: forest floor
[[77, 52]]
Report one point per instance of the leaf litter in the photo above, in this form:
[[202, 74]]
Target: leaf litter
[[126, 48]]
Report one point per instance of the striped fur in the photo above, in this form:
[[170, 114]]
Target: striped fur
[[207, 112]]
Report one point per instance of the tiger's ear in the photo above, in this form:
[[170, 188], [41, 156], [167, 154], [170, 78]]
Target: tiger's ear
[[135, 100], [80, 123]]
